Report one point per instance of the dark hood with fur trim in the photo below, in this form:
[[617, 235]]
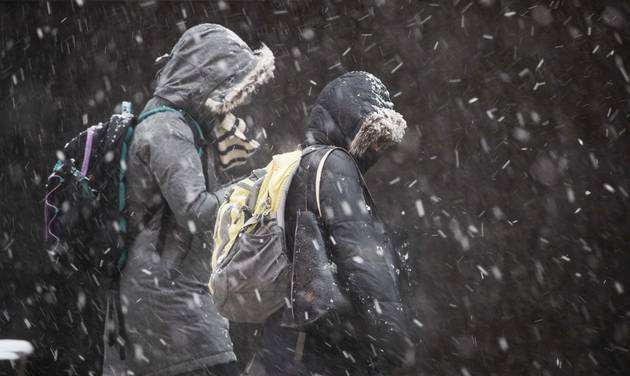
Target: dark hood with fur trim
[[354, 112], [211, 71]]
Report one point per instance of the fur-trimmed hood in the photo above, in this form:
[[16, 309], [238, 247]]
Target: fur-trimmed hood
[[211, 71], [354, 111]]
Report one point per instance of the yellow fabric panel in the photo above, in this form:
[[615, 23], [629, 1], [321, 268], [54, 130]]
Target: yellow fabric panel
[[238, 199], [261, 204], [287, 164], [279, 172], [218, 242]]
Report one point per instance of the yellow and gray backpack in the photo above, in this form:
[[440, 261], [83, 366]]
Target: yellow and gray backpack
[[251, 273]]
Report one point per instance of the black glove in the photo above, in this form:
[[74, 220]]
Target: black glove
[[221, 194]]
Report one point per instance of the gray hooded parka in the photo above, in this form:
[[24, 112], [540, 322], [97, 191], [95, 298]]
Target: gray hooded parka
[[172, 326]]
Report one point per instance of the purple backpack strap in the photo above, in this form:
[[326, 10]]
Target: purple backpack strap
[[57, 180], [88, 151], [48, 205]]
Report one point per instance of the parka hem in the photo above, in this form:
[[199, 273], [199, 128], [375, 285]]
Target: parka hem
[[195, 364]]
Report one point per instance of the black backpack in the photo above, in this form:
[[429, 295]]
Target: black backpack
[[85, 202], [85, 199]]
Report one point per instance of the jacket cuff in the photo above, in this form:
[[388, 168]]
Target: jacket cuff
[[388, 332]]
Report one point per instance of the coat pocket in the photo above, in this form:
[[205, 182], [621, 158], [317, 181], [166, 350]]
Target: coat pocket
[[174, 248]]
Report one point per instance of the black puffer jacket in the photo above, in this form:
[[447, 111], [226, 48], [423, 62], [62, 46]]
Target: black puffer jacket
[[354, 112]]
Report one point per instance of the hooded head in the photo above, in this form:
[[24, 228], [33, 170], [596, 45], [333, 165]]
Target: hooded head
[[354, 112], [211, 71]]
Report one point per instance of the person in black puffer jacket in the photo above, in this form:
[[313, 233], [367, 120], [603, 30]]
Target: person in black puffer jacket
[[354, 113]]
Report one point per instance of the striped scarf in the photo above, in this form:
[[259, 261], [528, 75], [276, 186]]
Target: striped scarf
[[233, 145]]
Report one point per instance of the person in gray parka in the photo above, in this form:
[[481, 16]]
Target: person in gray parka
[[168, 323]]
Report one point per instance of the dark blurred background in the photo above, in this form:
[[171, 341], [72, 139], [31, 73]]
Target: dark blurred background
[[508, 198]]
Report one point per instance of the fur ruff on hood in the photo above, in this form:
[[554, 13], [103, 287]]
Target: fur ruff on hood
[[211, 70], [261, 74], [384, 126], [354, 111]]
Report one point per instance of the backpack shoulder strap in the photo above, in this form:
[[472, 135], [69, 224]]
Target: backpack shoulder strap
[[199, 139], [194, 126], [318, 179], [154, 111]]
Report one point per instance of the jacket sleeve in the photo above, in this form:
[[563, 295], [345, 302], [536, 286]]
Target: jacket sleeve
[[174, 162], [363, 255]]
